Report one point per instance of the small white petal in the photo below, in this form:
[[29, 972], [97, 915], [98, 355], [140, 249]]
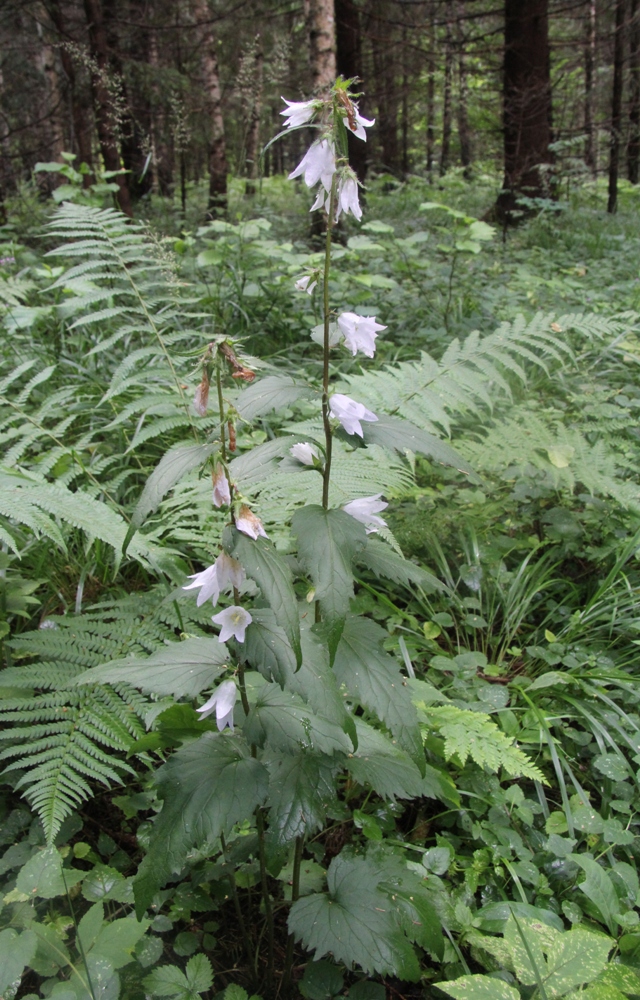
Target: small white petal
[[360, 332], [222, 700], [318, 164], [350, 413], [221, 492], [249, 524], [233, 621], [207, 580], [361, 124], [305, 284], [365, 511], [298, 112], [304, 453], [348, 197]]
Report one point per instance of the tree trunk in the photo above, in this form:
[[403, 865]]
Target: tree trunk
[[616, 108], [54, 102], [431, 92], [349, 65], [446, 101], [253, 131], [102, 99], [633, 148], [81, 125], [591, 149], [386, 92], [527, 107], [464, 133], [5, 158], [218, 168], [321, 28]]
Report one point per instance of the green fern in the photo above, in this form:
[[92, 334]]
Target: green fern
[[61, 739]]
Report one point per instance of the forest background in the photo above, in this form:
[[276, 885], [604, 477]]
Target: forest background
[[433, 789]]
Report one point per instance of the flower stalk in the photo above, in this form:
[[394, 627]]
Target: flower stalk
[[328, 432]]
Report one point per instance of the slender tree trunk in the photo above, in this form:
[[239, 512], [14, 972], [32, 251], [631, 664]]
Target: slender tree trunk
[[431, 91], [218, 168], [102, 100], [616, 108], [464, 132], [54, 100], [253, 132], [527, 107], [80, 121], [386, 91], [446, 102], [590, 150], [321, 28], [5, 157], [349, 65], [633, 148], [405, 104]]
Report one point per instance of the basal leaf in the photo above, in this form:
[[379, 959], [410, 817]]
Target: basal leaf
[[328, 540], [373, 677], [263, 564], [181, 669], [207, 787], [354, 921]]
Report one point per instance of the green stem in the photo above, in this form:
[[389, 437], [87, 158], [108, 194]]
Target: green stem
[[265, 896], [295, 893], [223, 443], [241, 923], [328, 434]]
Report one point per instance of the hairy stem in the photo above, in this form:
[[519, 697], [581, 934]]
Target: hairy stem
[[328, 434], [223, 441], [295, 893]]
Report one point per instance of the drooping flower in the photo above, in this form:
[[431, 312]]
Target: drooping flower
[[366, 510], [298, 112], [233, 621], [201, 398], [221, 491], [305, 453], [222, 700], [350, 413], [305, 284], [225, 572], [347, 199], [360, 332], [360, 124], [317, 164], [249, 524]]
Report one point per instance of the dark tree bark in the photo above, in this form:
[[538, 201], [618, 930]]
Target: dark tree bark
[[464, 133], [218, 167], [253, 131], [81, 124], [386, 91], [633, 147], [590, 149], [527, 106], [349, 65], [431, 92], [446, 98], [616, 108], [99, 48]]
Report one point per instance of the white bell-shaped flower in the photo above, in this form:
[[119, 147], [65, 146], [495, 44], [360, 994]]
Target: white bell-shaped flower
[[317, 164], [299, 112], [366, 510], [359, 126], [226, 572], [233, 621], [360, 332], [350, 413], [249, 524], [221, 491], [305, 453], [222, 701]]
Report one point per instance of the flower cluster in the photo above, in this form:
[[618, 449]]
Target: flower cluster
[[320, 163]]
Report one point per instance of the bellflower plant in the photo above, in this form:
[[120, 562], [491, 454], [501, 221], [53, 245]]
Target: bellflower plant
[[328, 735]]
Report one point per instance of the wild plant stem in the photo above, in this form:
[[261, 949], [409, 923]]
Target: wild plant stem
[[241, 922], [295, 893], [265, 896], [328, 435], [223, 443]]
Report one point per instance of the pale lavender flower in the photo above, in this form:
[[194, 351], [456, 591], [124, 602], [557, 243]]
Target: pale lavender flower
[[365, 511], [222, 700], [233, 621], [298, 112], [221, 491], [350, 413], [249, 524], [317, 164], [360, 332], [305, 453], [361, 124]]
